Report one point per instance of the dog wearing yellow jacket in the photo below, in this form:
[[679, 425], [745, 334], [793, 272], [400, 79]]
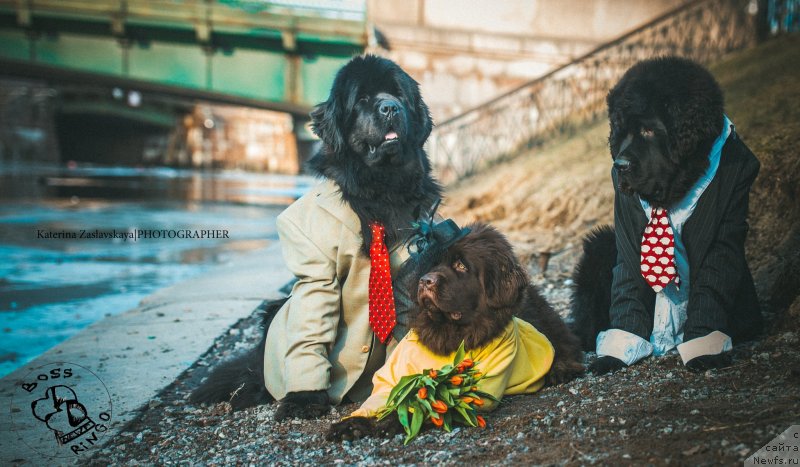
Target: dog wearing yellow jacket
[[476, 292]]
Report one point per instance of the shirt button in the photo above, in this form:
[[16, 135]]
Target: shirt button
[[365, 348]]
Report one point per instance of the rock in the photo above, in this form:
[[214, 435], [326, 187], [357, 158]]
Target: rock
[[691, 451]]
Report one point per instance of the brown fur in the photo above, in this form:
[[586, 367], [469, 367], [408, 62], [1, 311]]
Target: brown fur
[[476, 304]]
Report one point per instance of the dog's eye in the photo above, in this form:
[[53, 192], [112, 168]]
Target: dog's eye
[[459, 266], [647, 132]]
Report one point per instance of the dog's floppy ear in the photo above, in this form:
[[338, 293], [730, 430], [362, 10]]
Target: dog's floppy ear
[[694, 110], [326, 123], [696, 124], [420, 114], [505, 284], [503, 277]]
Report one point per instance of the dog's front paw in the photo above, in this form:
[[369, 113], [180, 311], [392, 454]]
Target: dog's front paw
[[303, 404], [708, 362], [606, 364], [564, 372], [351, 429], [388, 427]]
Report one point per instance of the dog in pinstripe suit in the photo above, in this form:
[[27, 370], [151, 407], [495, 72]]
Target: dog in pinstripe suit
[[677, 157]]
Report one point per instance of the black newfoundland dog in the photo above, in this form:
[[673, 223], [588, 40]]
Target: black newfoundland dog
[[372, 128], [470, 292], [674, 152]]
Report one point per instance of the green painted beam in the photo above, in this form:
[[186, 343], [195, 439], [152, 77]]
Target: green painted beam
[[203, 48], [59, 75]]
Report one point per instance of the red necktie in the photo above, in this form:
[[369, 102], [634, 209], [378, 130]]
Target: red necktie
[[658, 251], [382, 315]]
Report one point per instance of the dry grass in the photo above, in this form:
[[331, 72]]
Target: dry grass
[[544, 200]]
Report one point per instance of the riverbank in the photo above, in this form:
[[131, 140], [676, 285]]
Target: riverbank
[[81, 242], [134, 355]]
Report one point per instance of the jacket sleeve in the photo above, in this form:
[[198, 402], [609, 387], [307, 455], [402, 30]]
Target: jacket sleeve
[[314, 310], [632, 301], [717, 279]]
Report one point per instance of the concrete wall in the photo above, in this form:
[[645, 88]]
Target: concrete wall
[[464, 52]]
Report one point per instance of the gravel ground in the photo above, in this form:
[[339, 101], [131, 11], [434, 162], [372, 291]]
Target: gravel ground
[[655, 412]]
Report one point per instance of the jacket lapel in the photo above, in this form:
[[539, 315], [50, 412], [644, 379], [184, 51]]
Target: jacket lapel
[[329, 198], [700, 229]]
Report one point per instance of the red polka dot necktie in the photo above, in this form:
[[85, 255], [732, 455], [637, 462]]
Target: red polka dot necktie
[[382, 317], [658, 252]]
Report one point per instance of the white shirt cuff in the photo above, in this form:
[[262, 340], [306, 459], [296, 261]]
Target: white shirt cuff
[[710, 344], [623, 345]]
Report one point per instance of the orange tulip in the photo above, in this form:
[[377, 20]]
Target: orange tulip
[[467, 363], [481, 422], [422, 393], [467, 399], [433, 374], [439, 406], [460, 368], [477, 375], [478, 401], [437, 421], [456, 380], [473, 388]]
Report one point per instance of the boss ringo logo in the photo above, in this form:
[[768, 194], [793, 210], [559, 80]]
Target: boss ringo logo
[[61, 410]]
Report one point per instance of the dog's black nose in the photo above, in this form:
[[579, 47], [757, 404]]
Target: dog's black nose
[[622, 165], [388, 108], [429, 280]]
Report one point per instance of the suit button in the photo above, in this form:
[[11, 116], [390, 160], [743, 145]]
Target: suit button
[[365, 348]]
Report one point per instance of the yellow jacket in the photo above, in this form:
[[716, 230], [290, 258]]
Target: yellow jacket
[[514, 363]]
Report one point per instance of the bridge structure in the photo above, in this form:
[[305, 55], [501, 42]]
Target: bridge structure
[[278, 56]]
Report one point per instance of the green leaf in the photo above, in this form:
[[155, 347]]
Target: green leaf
[[402, 414], [486, 395], [465, 416], [427, 405], [444, 373], [473, 417], [460, 354], [405, 381], [443, 394], [416, 422], [448, 421]]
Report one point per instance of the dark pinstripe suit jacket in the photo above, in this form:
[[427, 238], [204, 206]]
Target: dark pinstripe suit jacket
[[722, 295]]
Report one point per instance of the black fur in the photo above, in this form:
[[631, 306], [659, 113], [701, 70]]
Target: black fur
[[591, 295], [606, 364], [389, 184], [240, 380], [303, 404], [664, 114]]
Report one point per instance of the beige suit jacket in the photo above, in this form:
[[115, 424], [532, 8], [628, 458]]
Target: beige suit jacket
[[321, 338]]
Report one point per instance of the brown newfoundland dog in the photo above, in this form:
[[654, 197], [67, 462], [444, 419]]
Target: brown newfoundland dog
[[472, 293]]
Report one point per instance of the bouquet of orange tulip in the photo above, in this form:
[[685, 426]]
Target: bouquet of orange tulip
[[441, 397]]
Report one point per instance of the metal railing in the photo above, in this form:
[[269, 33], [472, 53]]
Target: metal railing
[[574, 94]]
